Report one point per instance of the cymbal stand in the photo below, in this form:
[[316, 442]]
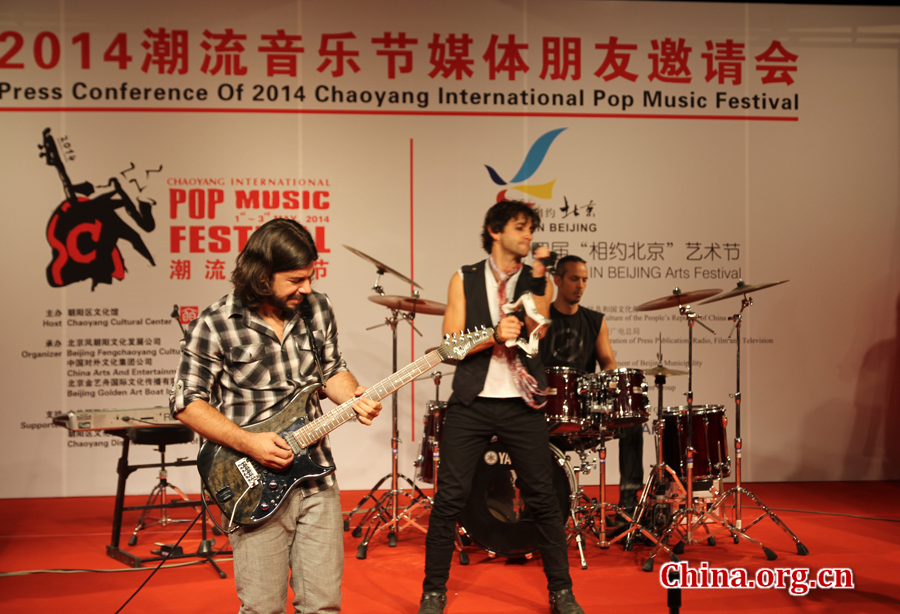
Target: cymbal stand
[[689, 517], [738, 490], [386, 514]]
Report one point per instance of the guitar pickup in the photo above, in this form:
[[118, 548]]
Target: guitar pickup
[[248, 472]]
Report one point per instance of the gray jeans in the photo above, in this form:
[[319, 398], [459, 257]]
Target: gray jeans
[[305, 537]]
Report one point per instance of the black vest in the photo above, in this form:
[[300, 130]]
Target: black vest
[[471, 372]]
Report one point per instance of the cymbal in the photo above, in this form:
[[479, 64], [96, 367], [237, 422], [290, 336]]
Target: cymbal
[[409, 303], [664, 371], [743, 288], [677, 298], [383, 268]]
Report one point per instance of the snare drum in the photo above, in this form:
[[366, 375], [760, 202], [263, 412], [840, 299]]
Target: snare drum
[[431, 441], [563, 409], [708, 423], [618, 396], [495, 517]]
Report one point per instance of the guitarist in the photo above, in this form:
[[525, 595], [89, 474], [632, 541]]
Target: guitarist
[[496, 391], [241, 359]]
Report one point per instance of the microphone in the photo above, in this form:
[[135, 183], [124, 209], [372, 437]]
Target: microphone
[[549, 261]]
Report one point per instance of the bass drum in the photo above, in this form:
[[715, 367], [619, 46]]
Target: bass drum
[[496, 518]]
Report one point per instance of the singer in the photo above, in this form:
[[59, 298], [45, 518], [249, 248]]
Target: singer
[[498, 391]]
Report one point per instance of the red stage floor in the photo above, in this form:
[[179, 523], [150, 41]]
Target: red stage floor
[[844, 525]]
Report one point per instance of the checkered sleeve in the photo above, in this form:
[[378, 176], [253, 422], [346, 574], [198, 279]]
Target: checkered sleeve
[[200, 366]]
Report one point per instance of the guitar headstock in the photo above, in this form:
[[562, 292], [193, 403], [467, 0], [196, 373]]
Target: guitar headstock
[[49, 150], [457, 345]]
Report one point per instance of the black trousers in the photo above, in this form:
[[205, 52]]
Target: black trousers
[[631, 464], [467, 432]]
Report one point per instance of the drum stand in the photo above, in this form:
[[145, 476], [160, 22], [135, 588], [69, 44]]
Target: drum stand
[[386, 513], [687, 518], [738, 530], [602, 507], [581, 511], [587, 514], [656, 483]]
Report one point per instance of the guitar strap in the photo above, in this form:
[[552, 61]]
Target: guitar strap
[[306, 314]]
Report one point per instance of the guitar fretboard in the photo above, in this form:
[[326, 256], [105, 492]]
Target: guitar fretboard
[[343, 413]]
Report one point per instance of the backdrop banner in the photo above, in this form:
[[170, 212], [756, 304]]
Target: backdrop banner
[[676, 147]]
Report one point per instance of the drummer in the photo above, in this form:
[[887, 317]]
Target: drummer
[[579, 339]]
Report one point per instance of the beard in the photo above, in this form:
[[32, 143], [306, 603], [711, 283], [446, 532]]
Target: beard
[[287, 311]]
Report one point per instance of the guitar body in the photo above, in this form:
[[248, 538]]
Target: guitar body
[[247, 492]]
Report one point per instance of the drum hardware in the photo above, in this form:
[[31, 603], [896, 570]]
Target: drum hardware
[[701, 505], [580, 512], [381, 269], [386, 514], [654, 491], [429, 459], [412, 304], [563, 410], [677, 298], [598, 512], [618, 397], [738, 490], [693, 513]]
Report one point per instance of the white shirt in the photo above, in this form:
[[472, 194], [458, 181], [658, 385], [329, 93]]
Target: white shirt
[[499, 383]]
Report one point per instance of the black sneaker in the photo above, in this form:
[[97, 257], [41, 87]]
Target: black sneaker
[[563, 602], [432, 603]]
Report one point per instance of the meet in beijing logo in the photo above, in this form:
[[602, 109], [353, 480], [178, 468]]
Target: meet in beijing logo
[[529, 167]]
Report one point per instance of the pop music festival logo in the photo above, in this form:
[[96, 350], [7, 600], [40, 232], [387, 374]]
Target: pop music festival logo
[[85, 229], [532, 162]]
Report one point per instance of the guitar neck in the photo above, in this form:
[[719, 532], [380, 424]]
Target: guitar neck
[[343, 413]]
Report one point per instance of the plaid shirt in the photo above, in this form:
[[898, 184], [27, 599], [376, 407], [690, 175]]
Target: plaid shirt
[[233, 360]]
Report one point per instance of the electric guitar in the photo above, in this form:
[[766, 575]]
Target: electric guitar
[[249, 493]]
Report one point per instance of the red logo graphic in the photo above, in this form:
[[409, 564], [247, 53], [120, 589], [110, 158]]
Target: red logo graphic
[[188, 314], [84, 231]]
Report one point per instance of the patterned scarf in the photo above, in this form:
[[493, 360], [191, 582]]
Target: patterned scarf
[[525, 383]]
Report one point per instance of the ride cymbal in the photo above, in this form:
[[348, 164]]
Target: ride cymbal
[[743, 288], [382, 268], [676, 299], [409, 303]]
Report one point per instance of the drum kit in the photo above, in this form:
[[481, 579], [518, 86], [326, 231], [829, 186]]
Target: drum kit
[[583, 410], [684, 492]]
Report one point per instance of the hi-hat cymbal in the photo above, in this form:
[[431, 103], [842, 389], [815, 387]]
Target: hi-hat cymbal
[[661, 370], [383, 268], [676, 299], [409, 303], [743, 288]]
